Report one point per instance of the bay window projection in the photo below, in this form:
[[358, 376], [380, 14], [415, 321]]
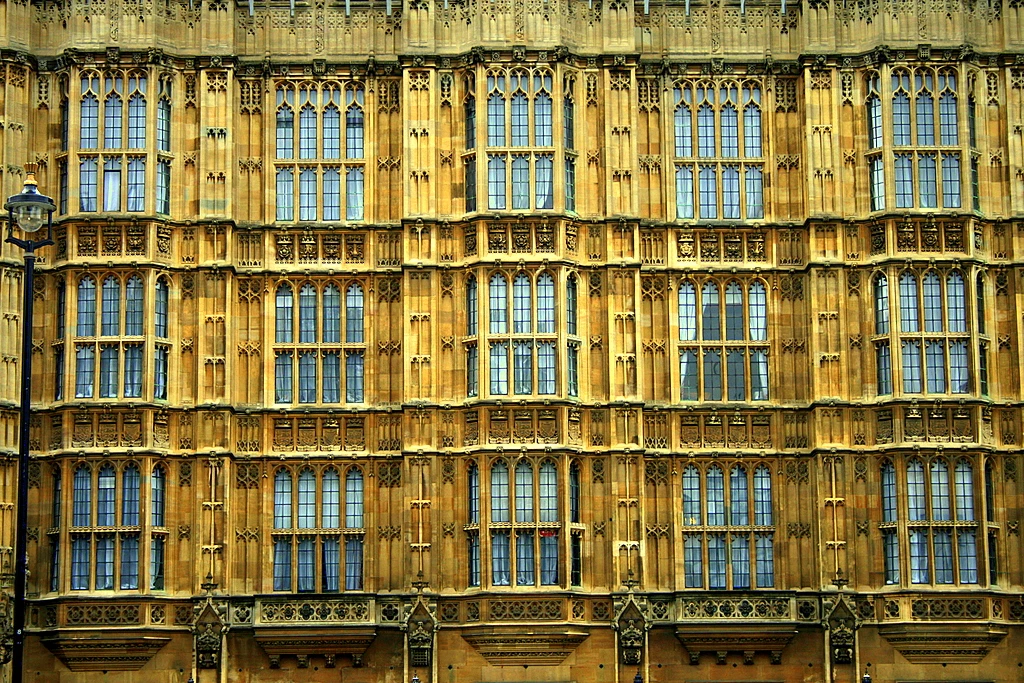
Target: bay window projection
[[516, 521], [723, 341], [320, 152], [318, 530], [929, 332], [928, 521], [110, 339], [728, 527], [522, 339], [719, 156], [319, 343], [923, 152], [113, 142], [109, 538], [520, 147]]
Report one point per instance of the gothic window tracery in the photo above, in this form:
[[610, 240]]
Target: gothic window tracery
[[719, 182], [111, 541], [119, 347], [325, 336], [319, 529], [718, 364], [727, 542], [328, 182], [929, 523], [933, 334]]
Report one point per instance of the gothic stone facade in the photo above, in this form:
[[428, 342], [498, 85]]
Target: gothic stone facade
[[549, 340]]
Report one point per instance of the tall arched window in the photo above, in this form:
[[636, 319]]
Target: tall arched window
[[86, 314], [330, 511], [499, 492], [739, 513], [522, 302], [307, 500], [687, 312], [757, 310], [881, 288], [545, 304], [111, 310], [354, 101], [133, 307], [571, 293], [307, 314], [733, 312], [574, 493], [498, 297], [332, 314], [354, 314], [932, 291], [710, 314], [909, 316], [472, 304], [282, 500], [524, 492], [285, 123], [956, 302], [284, 319], [130, 490], [157, 496]]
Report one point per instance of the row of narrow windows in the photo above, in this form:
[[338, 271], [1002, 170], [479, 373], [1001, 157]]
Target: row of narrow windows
[[717, 125], [524, 524]]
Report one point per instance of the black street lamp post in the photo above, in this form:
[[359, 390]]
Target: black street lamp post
[[30, 211]]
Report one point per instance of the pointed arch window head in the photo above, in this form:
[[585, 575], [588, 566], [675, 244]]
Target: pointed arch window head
[[160, 308], [354, 123], [86, 314], [113, 94], [909, 315], [285, 123], [472, 307], [282, 500], [111, 310], [499, 492], [874, 111], [729, 121], [687, 312], [332, 314], [136, 111]]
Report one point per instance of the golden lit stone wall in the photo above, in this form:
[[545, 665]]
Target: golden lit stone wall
[[613, 437]]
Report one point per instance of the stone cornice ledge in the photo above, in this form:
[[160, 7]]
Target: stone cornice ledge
[[931, 643], [525, 645], [104, 650]]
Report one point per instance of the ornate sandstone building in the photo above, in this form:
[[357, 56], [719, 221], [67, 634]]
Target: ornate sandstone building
[[479, 341]]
